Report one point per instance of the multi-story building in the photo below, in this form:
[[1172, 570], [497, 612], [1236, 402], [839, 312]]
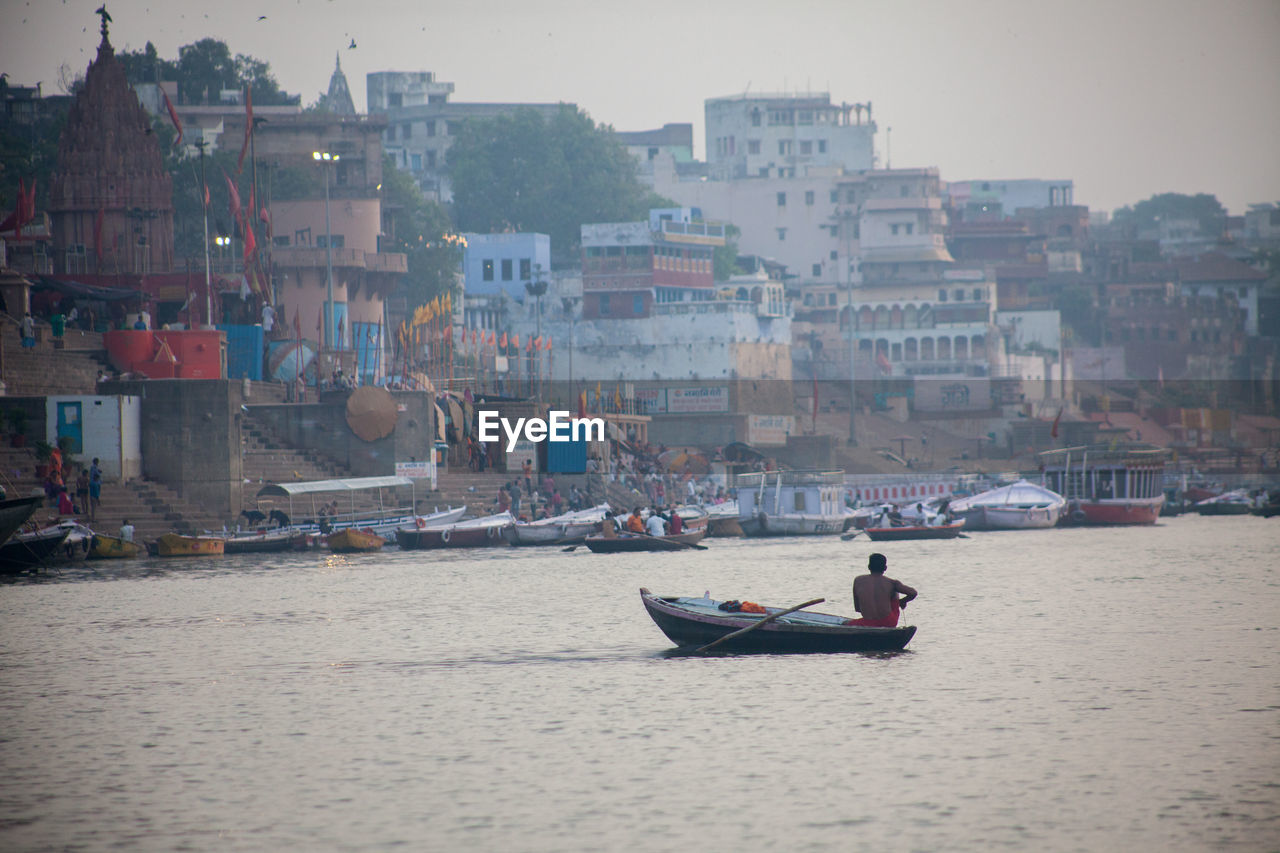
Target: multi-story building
[[497, 269], [1001, 198], [786, 135], [422, 123], [627, 267]]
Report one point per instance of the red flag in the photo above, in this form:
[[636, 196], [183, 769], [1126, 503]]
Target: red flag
[[248, 127], [883, 361], [206, 196], [502, 342], [1053, 433], [547, 343], [265, 216], [236, 213], [515, 342], [536, 343], [250, 244], [97, 231], [173, 117]]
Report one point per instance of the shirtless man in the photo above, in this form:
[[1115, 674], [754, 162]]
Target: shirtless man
[[876, 596]]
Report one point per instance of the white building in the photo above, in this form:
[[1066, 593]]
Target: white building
[[1007, 197], [785, 135]]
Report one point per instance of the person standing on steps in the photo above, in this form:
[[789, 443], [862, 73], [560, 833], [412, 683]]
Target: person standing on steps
[[95, 489]]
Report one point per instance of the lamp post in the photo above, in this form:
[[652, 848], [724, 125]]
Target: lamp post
[[536, 288], [325, 159], [570, 304], [204, 208]]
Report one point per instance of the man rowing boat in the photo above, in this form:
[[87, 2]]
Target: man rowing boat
[[876, 596]]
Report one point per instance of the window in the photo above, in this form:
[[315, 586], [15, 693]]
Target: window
[[910, 227], [782, 199], [526, 267], [395, 99], [958, 295], [337, 241], [831, 299], [835, 196], [753, 146], [506, 269], [487, 273], [904, 190], [942, 296], [808, 197], [806, 147], [893, 229], [755, 118], [822, 146], [415, 160], [784, 147], [817, 270], [637, 304], [604, 303], [782, 234], [977, 294], [834, 254], [431, 127], [431, 159]]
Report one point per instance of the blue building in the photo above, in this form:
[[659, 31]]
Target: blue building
[[498, 263]]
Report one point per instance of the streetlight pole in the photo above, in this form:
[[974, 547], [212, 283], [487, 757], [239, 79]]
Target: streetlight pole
[[204, 206], [326, 159]]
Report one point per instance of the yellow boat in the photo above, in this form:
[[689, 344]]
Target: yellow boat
[[173, 545], [350, 539], [112, 548]]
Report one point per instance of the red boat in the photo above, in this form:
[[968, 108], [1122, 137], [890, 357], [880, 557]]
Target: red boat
[[1107, 484]]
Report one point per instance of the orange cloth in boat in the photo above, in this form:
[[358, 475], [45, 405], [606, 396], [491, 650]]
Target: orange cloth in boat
[[890, 621], [751, 607]]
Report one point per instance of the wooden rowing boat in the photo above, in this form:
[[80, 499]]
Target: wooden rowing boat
[[473, 533], [283, 539], [351, 540], [696, 622], [112, 548], [624, 543], [175, 545], [915, 531]]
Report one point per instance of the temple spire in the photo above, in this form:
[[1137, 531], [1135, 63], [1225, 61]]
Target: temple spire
[[106, 18]]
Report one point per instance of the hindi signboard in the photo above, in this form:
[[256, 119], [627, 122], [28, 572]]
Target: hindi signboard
[[708, 398], [769, 430]]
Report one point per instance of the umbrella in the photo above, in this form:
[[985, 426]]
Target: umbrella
[[678, 460], [371, 412]]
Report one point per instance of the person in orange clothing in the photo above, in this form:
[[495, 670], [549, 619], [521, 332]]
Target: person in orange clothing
[[876, 596], [635, 524]]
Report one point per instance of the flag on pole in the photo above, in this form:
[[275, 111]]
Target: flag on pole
[[173, 117], [13, 222]]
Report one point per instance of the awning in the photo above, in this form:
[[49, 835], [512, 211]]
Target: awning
[[310, 487], [85, 291]]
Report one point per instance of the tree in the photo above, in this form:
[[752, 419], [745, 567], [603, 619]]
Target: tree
[[521, 172], [203, 69], [422, 230], [1203, 208]]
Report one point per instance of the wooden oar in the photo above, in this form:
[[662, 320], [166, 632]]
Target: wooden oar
[[756, 625]]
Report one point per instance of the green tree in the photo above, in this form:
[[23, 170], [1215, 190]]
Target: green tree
[[422, 230], [1203, 208], [521, 172], [203, 69]]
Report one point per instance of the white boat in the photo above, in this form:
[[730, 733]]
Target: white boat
[[1020, 506], [569, 528], [384, 521], [791, 503]]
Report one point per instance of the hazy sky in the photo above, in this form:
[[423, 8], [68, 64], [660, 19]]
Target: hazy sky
[[1127, 98]]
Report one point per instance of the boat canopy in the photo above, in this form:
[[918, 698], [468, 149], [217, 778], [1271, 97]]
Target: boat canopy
[[1021, 493], [310, 487]]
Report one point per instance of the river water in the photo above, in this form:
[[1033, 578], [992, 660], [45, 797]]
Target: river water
[[1076, 689]]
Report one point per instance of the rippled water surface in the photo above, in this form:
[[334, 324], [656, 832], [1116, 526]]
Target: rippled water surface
[[1083, 689]]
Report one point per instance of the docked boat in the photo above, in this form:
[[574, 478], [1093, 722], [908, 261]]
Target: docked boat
[[176, 545], [304, 516], [569, 528], [915, 531], [113, 548], [1020, 506], [695, 622], [791, 503], [623, 543], [14, 513], [1235, 502], [267, 541], [1105, 484], [483, 532], [27, 551], [722, 520], [350, 540]]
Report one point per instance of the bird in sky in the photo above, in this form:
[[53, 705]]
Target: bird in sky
[[352, 46], [262, 17]]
